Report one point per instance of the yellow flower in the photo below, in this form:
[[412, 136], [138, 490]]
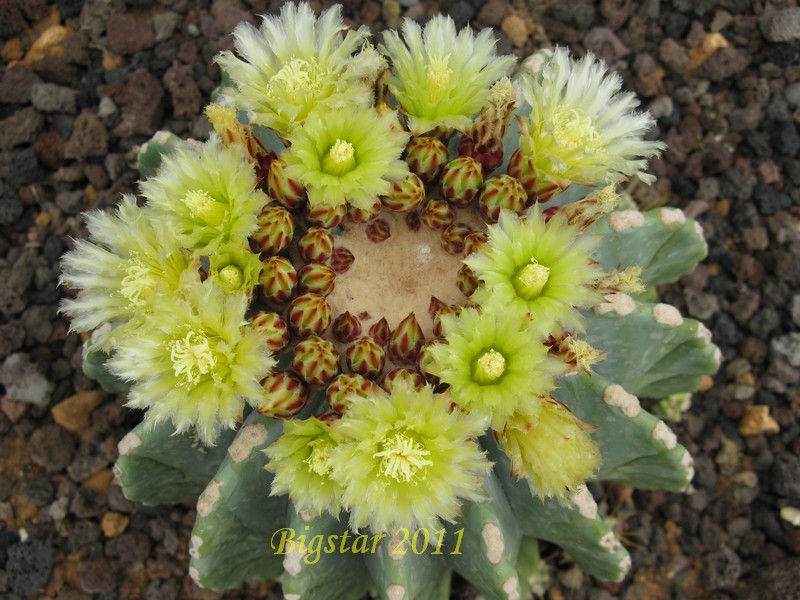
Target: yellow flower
[[442, 78], [195, 362], [581, 128], [550, 447], [348, 155], [407, 460], [209, 198], [131, 258], [296, 63]]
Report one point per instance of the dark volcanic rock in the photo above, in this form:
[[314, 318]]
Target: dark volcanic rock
[[140, 99], [29, 566]]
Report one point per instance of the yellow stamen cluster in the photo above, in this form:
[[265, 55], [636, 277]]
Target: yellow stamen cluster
[[139, 282], [402, 457], [489, 367], [531, 279], [203, 206], [571, 129], [437, 76], [628, 281], [296, 75], [192, 358]]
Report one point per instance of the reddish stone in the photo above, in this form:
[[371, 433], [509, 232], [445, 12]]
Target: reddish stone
[[129, 33], [140, 100]]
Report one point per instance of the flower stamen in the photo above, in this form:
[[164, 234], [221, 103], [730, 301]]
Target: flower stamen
[[203, 206], [489, 367], [437, 76], [297, 75], [571, 129], [192, 358], [340, 159], [139, 282], [318, 460], [531, 279], [402, 456]]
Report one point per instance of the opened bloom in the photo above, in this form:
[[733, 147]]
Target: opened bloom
[[495, 363], [442, 78], [540, 269], [550, 447], [300, 460], [296, 62], [349, 155], [196, 363], [208, 198], [129, 259], [581, 128], [407, 460]]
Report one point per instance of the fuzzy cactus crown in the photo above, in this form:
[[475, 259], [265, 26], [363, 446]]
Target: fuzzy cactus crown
[[415, 283]]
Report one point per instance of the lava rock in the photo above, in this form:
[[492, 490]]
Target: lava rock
[[781, 25], [51, 447], [96, 576], [186, 97], [49, 97], [787, 347], [29, 566], [11, 206], [786, 477], [16, 84], [723, 569], [140, 99], [89, 137], [20, 128], [129, 33], [24, 380]]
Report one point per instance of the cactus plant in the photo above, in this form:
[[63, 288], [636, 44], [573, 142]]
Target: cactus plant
[[398, 402]]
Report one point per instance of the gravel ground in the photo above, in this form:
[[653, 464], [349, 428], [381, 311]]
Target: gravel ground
[[83, 82]]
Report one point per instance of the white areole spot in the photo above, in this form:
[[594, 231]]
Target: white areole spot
[[620, 303], [698, 229], [704, 333], [291, 597], [209, 497], [306, 516], [717, 355], [610, 542], [293, 562], [395, 592], [195, 575], [129, 443], [117, 472], [687, 462], [625, 566], [194, 546], [248, 438], [672, 215], [668, 315], [663, 434], [625, 219], [493, 540], [583, 499], [511, 588], [615, 395]]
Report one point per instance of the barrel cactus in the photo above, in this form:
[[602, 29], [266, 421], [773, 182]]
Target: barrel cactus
[[393, 315]]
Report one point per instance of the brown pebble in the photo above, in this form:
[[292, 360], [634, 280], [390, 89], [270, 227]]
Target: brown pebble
[[757, 420], [100, 482], [516, 31], [74, 413], [113, 524]]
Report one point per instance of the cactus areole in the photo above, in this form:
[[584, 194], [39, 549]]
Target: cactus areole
[[393, 315]]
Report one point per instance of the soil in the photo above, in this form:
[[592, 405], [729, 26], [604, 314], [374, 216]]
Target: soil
[[84, 82]]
